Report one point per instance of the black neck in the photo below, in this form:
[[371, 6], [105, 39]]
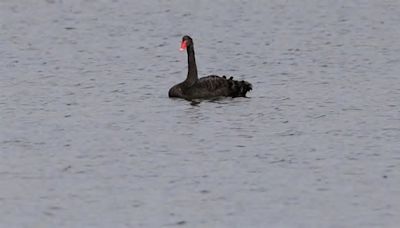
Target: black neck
[[192, 72]]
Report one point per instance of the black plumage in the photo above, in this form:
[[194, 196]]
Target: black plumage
[[207, 87]]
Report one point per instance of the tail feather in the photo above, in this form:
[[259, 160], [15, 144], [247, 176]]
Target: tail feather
[[239, 88]]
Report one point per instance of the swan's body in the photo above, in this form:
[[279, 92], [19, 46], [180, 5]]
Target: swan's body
[[207, 87]]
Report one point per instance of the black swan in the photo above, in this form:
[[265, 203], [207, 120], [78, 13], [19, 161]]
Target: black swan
[[207, 87]]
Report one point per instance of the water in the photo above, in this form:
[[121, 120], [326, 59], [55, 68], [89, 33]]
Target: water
[[89, 137]]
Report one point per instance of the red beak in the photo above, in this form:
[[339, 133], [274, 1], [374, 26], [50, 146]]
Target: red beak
[[183, 46]]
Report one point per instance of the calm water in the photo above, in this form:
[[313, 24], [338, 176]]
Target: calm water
[[89, 137]]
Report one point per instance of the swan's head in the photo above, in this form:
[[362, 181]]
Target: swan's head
[[186, 42]]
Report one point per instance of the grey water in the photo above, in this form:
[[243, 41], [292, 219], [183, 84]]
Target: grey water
[[89, 137]]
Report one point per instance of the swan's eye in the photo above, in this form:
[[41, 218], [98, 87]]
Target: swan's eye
[[183, 45]]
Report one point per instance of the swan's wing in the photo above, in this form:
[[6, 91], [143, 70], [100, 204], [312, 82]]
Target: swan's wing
[[215, 86], [213, 83]]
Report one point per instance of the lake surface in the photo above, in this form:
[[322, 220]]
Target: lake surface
[[89, 137]]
